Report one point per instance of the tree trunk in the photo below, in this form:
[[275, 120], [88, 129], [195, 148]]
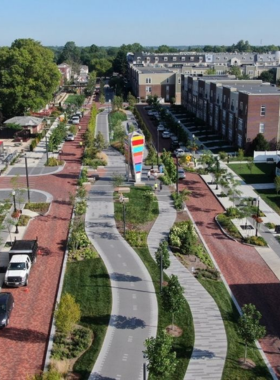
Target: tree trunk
[[172, 321], [245, 356]]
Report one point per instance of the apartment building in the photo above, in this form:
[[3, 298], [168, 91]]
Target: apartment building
[[162, 82], [236, 109]]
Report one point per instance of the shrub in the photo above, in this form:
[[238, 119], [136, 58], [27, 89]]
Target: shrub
[[52, 161], [183, 236], [223, 155], [209, 273], [200, 252], [40, 207], [94, 162], [67, 314], [23, 220], [81, 207], [73, 346], [270, 225], [256, 240], [233, 212], [136, 238]]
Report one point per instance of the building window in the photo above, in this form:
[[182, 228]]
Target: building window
[[262, 110], [240, 124], [261, 128], [183, 58], [167, 80], [241, 106], [191, 58], [224, 115], [148, 89], [148, 80], [174, 59], [165, 59], [239, 140], [179, 80]]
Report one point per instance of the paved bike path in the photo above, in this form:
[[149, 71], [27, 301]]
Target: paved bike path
[[210, 346], [134, 310]]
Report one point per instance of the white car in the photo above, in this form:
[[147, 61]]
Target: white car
[[165, 135], [70, 137], [181, 173], [160, 127], [179, 152]]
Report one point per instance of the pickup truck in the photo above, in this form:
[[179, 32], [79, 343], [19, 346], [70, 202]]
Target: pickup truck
[[22, 255]]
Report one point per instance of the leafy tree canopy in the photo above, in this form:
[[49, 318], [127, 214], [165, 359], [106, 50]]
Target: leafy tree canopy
[[28, 77], [260, 143]]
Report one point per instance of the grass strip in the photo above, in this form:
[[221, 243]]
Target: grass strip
[[236, 348], [260, 172], [271, 198], [183, 345], [88, 282]]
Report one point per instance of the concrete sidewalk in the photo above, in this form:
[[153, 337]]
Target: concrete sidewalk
[[134, 313], [210, 346]]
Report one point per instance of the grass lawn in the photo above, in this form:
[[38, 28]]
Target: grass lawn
[[138, 211], [236, 348], [88, 282], [183, 345], [261, 173], [271, 198], [71, 99]]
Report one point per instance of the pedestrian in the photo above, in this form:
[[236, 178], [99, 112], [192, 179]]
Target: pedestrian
[[160, 186], [149, 175], [81, 144], [155, 187], [80, 127]]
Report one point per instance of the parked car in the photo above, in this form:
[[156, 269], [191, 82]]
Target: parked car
[[75, 121], [165, 135], [70, 137], [181, 173], [6, 307], [160, 127], [179, 152]]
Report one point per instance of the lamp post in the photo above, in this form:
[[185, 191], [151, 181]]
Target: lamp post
[[157, 147], [178, 126], [144, 368], [47, 153], [14, 199], [258, 211], [123, 201], [177, 175], [27, 179], [15, 209]]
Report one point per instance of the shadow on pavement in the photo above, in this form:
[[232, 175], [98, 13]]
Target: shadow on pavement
[[24, 335], [122, 322], [124, 277]]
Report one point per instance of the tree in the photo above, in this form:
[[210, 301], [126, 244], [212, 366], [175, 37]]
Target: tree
[[91, 83], [161, 357], [268, 76], [235, 70], [102, 99], [67, 314], [28, 77], [211, 71], [70, 54], [162, 251], [102, 66], [172, 296], [260, 143], [277, 183], [117, 103], [131, 100], [99, 142], [249, 326]]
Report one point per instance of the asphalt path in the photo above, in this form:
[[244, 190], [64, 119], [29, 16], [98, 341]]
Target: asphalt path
[[134, 310]]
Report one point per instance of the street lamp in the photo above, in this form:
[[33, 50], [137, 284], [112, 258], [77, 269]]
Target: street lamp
[[258, 211], [27, 179], [144, 367], [123, 201], [157, 147], [178, 126], [14, 199], [177, 175], [47, 148], [15, 209]]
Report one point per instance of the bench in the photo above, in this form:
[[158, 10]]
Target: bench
[[122, 189], [270, 160]]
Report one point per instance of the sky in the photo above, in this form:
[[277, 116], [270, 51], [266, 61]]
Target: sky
[[148, 22]]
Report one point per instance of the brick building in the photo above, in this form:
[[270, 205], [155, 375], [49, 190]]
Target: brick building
[[236, 109]]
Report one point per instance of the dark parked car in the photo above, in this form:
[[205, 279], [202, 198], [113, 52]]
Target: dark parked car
[[6, 307]]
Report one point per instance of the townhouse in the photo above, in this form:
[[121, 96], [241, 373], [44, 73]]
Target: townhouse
[[236, 109]]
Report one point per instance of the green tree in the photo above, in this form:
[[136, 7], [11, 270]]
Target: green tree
[[117, 103], [235, 70], [162, 251], [131, 100], [102, 66], [161, 357], [91, 84], [102, 99], [211, 71], [70, 54], [67, 314], [277, 183], [99, 142], [260, 143], [28, 77], [268, 76], [249, 326], [172, 296], [250, 164]]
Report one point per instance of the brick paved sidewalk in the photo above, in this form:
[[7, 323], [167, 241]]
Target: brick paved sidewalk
[[23, 343], [247, 274]]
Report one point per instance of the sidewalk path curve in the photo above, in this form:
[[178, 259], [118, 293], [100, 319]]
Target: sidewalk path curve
[[210, 346], [134, 310]]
